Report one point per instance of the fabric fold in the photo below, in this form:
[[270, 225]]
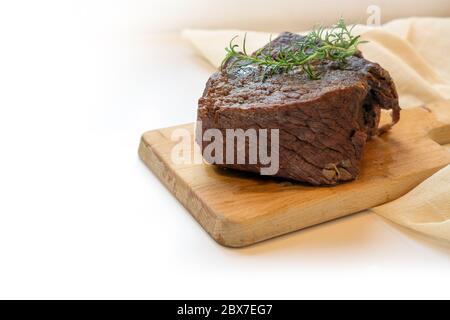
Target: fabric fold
[[413, 50], [425, 209]]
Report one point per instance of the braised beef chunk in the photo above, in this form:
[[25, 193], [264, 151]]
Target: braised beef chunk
[[323, 124]]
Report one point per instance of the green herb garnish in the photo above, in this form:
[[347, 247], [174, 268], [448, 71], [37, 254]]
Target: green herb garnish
[[335, 44]]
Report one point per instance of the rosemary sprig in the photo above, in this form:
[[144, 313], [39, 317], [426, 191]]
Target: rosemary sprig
[[335, 44]]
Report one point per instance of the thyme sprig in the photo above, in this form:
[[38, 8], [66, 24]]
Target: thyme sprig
[[335, 44]]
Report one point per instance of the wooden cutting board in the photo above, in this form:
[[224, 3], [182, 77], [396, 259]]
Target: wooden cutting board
[[238, 209]]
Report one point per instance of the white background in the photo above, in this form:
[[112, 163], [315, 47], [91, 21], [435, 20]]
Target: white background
[[81, 216]]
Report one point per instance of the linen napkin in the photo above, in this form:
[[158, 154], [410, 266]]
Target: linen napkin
[[416, 52]]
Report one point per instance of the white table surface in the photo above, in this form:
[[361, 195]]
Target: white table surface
[[82, 217]]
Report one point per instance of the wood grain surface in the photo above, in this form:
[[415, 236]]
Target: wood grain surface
[[238, 209]]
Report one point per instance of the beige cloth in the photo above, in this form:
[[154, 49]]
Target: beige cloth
[[416, 51], [425, 209]]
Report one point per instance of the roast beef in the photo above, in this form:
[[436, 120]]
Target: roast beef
[[323, 124]]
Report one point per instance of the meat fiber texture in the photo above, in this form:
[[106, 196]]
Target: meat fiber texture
[[323, 124]]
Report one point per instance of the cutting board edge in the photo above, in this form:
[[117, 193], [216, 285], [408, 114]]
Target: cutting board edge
[[233, 230], [212, 222], [229, 232]]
